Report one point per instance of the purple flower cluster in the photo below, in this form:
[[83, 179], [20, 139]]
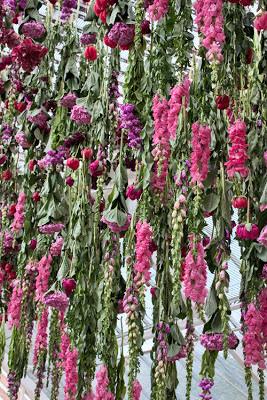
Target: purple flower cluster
[[214, 341], [39, 120], [68, 101], [21, 139], [6, 133], [50, 229], [113, 90], [53, 158], [162, 349], [33, 29], [122, 34], [13, 385], [58, 300], [80, 115], [68, 7], [74, 139], [206, 384], [131, 123], [88, 38]]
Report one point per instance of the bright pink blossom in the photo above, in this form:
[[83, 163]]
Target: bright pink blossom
[[18, 221], [210, 21], [263, 311], [238, 156], [14, 306], [41, 337], [195, 278], [133, 193], [260, 22], [262, 239], [201, 137], [247, 231], [71, 371], [58, 300], [56, 247], [179, 97], [253, 343], [136, 390], [142, 249], [161, 143], [42, 280], [102, 381], [158, 9]]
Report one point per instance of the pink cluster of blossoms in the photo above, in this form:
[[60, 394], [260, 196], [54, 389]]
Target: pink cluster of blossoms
[[262, 239], [14, 306], [136, 390], [179, 97], [263, 310], [253, 343], [42, 280], [102, 382], [195, 277], [56, 247], [238, 151], [209, 19], [201, 138], [161, 142], [58, 300], [41, 337], [143, 249], [71, 373], [158, 9], [19, 216]]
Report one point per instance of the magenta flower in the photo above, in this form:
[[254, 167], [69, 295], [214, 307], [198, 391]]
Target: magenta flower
[[58, 300], [201, 137], [238, 156], [41, 337], [158, 9], [142, 249], [262, 239], [80, 115]]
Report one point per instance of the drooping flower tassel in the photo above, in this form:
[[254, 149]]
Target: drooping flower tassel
[[237, 156], [18, 221], [201, 137]]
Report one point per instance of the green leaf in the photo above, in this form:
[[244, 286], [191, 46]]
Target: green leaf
[[173, 349], [261, 252], [211, 202], [212, 302], [116, 216]]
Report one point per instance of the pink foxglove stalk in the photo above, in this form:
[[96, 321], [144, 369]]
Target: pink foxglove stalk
[[137, 389], [238, 156], [14, 306], [41, 337], [71, 370], [195, 278], [143, 252], [42, 280], [263, 311], [179, 97], [18, 222], [158, 9], [209, 20], [253, 343], [201, 137], [161, 143], [102, 381]]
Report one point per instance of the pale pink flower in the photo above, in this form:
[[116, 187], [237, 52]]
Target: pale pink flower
[[238, 156], [158, 9], [41, 337], [42, 280], [19, 215], [14, 306], [262, 239]]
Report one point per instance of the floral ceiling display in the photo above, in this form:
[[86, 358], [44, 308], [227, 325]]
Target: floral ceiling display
[[108, 174]]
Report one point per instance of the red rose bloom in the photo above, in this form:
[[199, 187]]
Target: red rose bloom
[[222, 102], [108, 42], [6, 175], [73, 163], [240, 202], [90, 53], [249, 56], [28, 54], [31, 165], [20, 106]]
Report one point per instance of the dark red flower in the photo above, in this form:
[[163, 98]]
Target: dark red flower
[[222, 102], [249, 55], [33, 244], [73, 163], [11, 210], [108, 42], [20, 106], [36, 197], [90, 53], [69, 285], [69, 181], [6, 175], [28, 54], [240, 202], [145, 27], [32, 164]]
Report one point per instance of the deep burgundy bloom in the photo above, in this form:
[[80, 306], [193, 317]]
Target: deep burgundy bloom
[[222, 102], [28, 54]]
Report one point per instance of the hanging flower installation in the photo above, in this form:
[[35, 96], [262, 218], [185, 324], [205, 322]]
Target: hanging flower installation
[[118, 178]]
